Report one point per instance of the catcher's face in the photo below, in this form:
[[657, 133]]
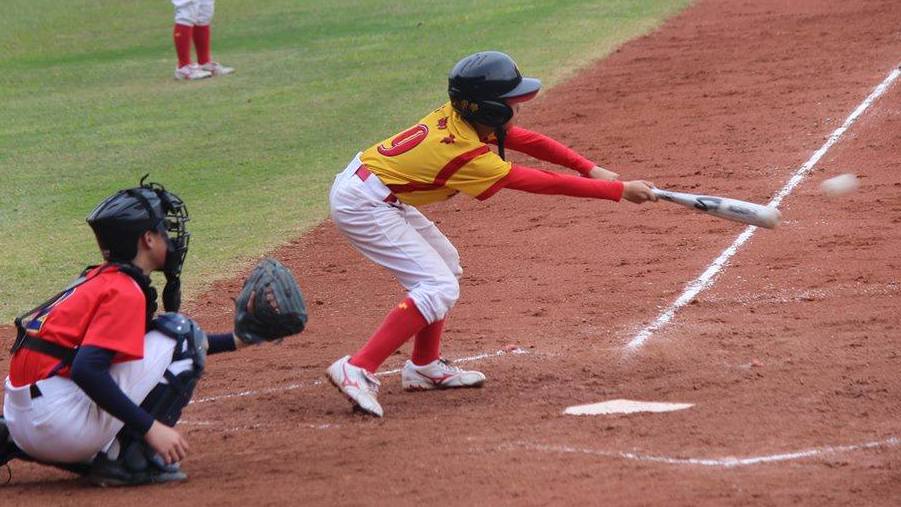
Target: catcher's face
[[157, 245], [152, 248]]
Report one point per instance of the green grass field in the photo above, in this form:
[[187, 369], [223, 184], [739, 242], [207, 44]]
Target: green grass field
[[89, 105]]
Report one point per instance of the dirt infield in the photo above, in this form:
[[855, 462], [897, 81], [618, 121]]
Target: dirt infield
[[791, 356]]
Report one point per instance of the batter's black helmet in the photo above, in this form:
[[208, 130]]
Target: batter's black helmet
[[482, 85], [123, 217]]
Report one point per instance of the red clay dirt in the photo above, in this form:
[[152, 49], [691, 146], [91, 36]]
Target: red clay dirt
[[794, 348]]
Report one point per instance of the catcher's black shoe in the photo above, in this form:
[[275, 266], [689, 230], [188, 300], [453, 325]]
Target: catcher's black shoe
[[8, 449], [106, 472]]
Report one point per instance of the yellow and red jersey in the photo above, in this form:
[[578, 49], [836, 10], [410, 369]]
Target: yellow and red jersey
[[443, 155], [106, 311], [435, 159]]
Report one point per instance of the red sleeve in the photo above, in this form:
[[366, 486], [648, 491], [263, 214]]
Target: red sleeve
[[118, 321], [544, 148], [537, 181]]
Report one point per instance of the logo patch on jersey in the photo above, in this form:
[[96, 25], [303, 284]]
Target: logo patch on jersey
[[34, 325], [442, 123], [449, 139]]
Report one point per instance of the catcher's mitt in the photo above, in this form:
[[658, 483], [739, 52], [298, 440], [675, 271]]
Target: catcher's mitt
[[270, 305]]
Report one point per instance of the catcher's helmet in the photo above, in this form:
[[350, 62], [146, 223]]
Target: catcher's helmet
[[123, 217], [482, 85]]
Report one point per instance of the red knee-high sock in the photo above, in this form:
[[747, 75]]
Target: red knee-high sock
[[182, 35], [399, 325], [202, 43], [427, 345]]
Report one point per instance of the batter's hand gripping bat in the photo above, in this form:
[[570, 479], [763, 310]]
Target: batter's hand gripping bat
[[730, 209]]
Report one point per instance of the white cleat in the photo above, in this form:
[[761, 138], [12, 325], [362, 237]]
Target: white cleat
[[217, 69], [191, 72], [439, 374], [357, 384]]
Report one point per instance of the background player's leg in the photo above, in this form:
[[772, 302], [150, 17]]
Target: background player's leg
[[183, 35], [185, 11], [202, 30], [202, 39]]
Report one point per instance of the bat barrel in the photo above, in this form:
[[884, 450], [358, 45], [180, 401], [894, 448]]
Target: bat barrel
[[723, 207]]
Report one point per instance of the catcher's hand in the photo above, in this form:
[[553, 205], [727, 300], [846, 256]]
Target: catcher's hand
[[270, 305]]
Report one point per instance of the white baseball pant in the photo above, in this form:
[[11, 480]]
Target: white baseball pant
[[193, 12], [398, 237], [64, 425]]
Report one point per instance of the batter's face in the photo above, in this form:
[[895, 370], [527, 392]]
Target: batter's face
[[515, 107]]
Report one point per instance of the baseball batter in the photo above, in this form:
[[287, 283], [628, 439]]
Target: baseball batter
[[192, 24], [96, 382], [374, 204]]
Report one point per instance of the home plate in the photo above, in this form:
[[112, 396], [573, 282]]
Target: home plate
[[624, 407]]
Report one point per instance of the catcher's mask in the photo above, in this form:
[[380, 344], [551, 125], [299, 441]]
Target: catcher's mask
[[123, 217], [483, 86]]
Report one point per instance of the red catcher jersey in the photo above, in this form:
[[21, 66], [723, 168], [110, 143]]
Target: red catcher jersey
[[106, 311], [436, 158]]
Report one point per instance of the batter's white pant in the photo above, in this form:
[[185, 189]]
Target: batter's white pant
[[64, 425], [398, 237], [193, 12]]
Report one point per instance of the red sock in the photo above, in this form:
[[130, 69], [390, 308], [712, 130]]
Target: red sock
[[202, 43], [427, 345], [399, 325], [182, 36]]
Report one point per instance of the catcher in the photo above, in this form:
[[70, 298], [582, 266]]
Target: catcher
[[96, 380]]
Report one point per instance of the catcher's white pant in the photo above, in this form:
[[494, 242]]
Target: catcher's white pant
[[398, 237], [64, 425], [193, 12]]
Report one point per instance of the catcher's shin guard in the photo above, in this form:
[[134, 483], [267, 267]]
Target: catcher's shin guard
[[166, 401]]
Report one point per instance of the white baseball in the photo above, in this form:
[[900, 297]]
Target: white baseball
[[839, 185]]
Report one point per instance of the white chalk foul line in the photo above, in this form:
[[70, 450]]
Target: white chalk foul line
[[728, 462], [478, 357], [291, 387], [278, 389], [709, 275]]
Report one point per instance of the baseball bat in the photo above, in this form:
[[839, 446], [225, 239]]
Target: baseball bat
[[723, 207]]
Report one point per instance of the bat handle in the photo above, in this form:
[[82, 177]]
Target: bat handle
[[662, 194]]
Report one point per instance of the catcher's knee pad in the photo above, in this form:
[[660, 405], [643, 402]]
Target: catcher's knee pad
[[166, 401]]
